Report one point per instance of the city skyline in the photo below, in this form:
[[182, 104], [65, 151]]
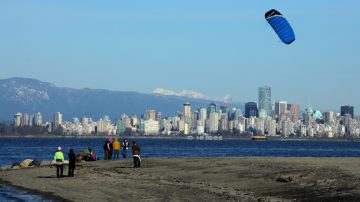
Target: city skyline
[[284, 121], [215, 48]]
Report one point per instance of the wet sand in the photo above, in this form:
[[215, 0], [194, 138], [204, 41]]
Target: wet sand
[[199, 179]]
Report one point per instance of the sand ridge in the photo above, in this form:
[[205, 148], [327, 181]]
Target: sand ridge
[[200, 179]]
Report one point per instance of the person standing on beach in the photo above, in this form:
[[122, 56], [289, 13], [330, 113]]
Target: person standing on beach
[[136, 155], [72, 159], [111, 148], [59, 159], [106, 148], [125, 146], [116, 146]]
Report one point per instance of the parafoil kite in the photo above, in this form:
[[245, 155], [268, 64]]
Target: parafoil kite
[[280, 25]]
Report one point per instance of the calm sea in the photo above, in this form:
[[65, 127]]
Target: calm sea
[[18, 149]]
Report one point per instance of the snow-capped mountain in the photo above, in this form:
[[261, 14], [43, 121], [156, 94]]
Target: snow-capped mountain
[[31, 96]]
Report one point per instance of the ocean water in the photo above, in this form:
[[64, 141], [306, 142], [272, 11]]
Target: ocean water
[[11, 194], [18, 149]]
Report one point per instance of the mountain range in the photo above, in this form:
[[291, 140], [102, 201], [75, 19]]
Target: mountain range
[[27, 95]]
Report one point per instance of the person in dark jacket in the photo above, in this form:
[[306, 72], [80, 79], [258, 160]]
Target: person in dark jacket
[[72, 159], [125, 147], [136, 155]]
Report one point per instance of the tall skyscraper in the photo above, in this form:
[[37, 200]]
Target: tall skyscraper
[[187, 109], [265, 99], [294, 110], [214, 122], [202, 115], [57, 120], [280, 107], [38, 119], [329, 117], [150, 114], [251, 109], [211, 108], [224, 109], [347, 109], [25, 120], [17, 119]]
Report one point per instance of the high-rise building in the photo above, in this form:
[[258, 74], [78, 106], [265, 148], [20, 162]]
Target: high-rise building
[[280, 107], [251, 110], [202, 116], [211, 108], [37, 119], [294, 111], [347, 109], [224, 109], [134, 121], [17, 119], [237, 114], [214, 122], [150, 114], [25, 120], [329, 117], [187, 109], [265, 99], [187, 115], [151, 127], [57, 120]]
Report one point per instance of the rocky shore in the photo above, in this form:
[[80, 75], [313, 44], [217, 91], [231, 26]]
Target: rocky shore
[[198, 179]]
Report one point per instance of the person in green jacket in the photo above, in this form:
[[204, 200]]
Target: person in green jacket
[[59, 158]]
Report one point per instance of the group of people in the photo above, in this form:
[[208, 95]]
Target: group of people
[[59, 159], [111, 150]]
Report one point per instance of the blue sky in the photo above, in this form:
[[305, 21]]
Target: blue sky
[[213, 47]]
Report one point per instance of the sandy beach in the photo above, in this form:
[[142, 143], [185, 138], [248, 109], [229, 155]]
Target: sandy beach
[[199, 179]]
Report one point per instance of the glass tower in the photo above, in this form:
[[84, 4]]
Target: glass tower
[[251, 109], [347, 110], [265, 99]]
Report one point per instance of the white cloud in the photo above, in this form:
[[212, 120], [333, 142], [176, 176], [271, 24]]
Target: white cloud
[[191, 94]]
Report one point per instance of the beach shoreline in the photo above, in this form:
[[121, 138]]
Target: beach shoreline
[[194, 179], [46, 196], [225, 137]]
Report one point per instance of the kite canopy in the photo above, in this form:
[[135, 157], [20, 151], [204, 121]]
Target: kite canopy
[[281, 26]]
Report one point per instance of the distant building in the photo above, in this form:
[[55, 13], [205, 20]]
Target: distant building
[[37, 119], [202, 116], [214, 122], [347, 109], [57, 120], [224, 109], [280, 107], [25, 120], [187, 109], [17, 119], [264, 99], [329, 117], [211, 108], [150, 114], [294, 111], [251, 110], [151, 127], [187, 116], [238, 114]]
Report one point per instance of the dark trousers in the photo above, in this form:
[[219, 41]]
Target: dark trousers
[[110, 154], [59, 170], [136, 162], [71, 170], [106, 154], [116, 154], [124, 153]]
